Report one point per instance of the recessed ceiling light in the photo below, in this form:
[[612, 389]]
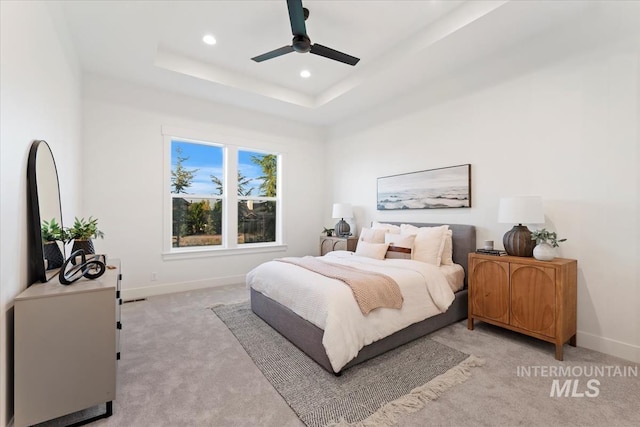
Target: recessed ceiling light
[[209, 39], [305, 74]]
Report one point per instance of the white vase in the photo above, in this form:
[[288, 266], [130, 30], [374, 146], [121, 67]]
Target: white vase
[[544, 252]]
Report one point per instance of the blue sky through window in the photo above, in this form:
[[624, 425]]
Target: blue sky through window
[[249, 169], [208, 160]]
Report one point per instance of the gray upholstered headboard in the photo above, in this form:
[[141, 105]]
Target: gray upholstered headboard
[[464, 241]]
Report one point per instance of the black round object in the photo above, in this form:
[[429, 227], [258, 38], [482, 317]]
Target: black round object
[[301, 44]]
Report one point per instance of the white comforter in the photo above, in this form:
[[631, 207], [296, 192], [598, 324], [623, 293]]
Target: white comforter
[[330, 305]]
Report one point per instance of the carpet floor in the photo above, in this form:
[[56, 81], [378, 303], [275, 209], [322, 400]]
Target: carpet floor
[[181, 366], [363, 392]]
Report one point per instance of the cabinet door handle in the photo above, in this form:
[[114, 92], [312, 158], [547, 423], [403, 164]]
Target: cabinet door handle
[[119, 325]]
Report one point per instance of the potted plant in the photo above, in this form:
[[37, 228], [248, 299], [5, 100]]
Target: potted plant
[[52, 232], [328, 231], [546, 241], [81, 232]]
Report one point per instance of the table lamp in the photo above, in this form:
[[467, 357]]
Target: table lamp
[[520, 210], [342, 211]]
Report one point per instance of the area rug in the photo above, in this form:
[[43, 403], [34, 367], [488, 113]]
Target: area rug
[[376, 392]]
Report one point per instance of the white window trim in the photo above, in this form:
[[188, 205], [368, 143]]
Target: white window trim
[[205, 252], [230, 198]]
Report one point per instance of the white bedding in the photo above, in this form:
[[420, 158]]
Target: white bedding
[[455, 276], [330, 305]]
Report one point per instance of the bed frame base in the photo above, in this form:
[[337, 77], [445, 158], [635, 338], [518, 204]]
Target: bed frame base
[[308, 337]]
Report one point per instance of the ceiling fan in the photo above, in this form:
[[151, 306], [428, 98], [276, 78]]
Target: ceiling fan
[[301, 42]]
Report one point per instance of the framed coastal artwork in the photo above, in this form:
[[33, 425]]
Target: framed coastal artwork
[[440, 188]]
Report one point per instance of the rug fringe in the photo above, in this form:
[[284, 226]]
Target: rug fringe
[[389, 413]]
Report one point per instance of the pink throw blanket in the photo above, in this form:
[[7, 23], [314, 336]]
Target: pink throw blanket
[[370, 289]]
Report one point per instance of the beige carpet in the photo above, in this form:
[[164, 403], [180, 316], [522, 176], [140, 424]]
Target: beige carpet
[[181, 366]]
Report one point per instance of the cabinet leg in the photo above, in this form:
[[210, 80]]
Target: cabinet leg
[[470, 323], [108, 412], [559, 351], [572, 341]]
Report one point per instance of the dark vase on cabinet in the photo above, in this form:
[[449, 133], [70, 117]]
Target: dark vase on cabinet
[[52, 255], [85, 245]]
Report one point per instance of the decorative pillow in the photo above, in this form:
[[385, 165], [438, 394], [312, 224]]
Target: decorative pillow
[[447, 252], [400, 240], [392, 254], [429, 244], [371, 250], [390, 228], [372, 236]]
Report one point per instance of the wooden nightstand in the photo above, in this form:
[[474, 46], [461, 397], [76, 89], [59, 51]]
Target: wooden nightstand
[[535, 298], [328, 244]]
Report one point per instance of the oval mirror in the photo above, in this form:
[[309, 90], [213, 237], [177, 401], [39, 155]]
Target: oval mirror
[[46, 251]]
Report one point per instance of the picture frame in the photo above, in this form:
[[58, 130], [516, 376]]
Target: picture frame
[[441, 188]]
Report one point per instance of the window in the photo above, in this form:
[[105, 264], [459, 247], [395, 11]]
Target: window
[[196, 194], [222, 196], [257, 202]]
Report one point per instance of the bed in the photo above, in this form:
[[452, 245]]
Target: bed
[[308, 336]]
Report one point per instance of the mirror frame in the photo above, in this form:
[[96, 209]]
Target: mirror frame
[[37, 269]]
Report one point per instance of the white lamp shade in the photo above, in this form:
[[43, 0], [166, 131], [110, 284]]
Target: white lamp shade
[[342, 210], [521, 210]]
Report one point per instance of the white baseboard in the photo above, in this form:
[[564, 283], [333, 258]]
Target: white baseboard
[[170, 288], [615, 348]]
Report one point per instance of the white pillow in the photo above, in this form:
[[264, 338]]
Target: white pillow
[[399, 240], [372, 236], [447, 252], [408, 229], [371, 250], [429, 244], [390, 228]]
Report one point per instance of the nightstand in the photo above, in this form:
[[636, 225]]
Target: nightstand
[[535, 298], [333, 243]]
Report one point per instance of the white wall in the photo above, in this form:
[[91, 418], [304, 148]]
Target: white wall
[[567, 130], [39, 99], [123, 184]]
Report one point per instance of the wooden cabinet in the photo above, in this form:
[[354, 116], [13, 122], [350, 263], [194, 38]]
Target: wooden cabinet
[[66, 347], [328, 244], [536, 298]]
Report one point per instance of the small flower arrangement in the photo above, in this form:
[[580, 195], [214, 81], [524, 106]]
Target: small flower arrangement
[[545, 236]]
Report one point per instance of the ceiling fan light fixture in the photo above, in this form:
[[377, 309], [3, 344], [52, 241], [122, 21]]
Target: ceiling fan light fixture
[[209, 39], [305, 74], [301, 42]]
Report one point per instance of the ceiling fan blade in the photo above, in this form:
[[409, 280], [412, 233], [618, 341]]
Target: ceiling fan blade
[[327, 52], [296, 16], [274, 53]]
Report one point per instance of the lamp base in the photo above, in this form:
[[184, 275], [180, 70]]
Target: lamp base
[[518, 242], [342, 228]]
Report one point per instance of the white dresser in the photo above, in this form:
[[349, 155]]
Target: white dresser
[[66, 347]]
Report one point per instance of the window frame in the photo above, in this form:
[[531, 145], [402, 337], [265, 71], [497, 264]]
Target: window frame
[[231, 146]]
